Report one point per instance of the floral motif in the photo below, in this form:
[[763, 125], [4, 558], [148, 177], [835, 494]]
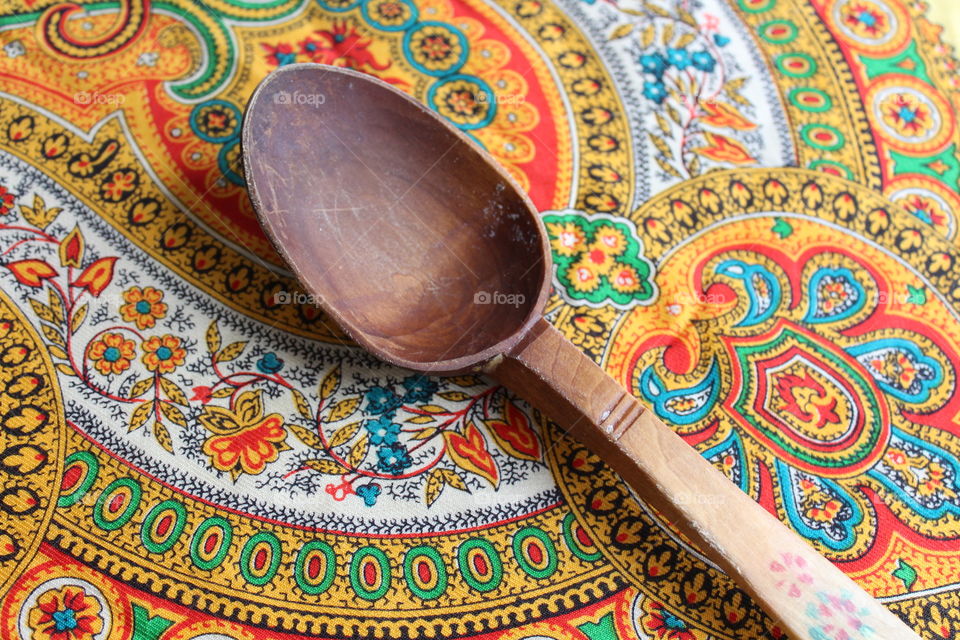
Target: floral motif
[[393, 459], [927, 477], [419, 388], [143, 306], [463, 101], [341, 45], [163, 353], [687, 80], [927, 209], [664, 625], [906, 114], [390, 12], [837, 617], [65, 309], [244, 440], [66, 614], [865, 19], [361, 455], [792, 574], [598, 261], [7, 199], [382, 431], [383, 401], [119, 186], [112, 353]]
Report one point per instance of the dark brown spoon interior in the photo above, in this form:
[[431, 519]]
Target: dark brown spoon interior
[[408, 233]]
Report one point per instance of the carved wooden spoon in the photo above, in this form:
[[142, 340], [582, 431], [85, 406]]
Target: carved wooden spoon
[[429, 255]]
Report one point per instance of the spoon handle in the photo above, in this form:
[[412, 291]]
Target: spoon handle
[[796, 585]]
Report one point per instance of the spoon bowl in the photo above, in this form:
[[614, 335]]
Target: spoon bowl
[[412, 238]]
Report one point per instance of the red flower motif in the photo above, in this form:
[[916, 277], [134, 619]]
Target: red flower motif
[[906, 114], [666, 625], [97, 276], [119, 185], [341, 46], [866, 18], [244, 440], [202, 394], [6, 201], [65, 614]]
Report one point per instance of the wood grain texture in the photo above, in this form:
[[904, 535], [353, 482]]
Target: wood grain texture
[[785, 575]]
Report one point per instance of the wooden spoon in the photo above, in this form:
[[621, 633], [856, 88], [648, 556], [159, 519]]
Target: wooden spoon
[[429, 255]]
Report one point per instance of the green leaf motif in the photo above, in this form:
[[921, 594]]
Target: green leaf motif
[[916, 295], [782, 228], [905, 573], [603, 629], [599, 260]]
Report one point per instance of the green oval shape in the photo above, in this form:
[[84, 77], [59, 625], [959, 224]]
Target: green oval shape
[[356, 580], [90, 476], [302, 564], [838, 166], [810, 99], [778, 31], [756, 6], [226, 536], [491, 559], [822, 136], [521, 538], [409, 572], [248, 550], [570, 537], [796, 65], [145, 529], [128, 511]]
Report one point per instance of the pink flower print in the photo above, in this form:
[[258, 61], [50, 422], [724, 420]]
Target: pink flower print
[[793, 575], [837, 618]]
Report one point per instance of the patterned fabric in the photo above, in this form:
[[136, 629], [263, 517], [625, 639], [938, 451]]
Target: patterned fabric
[[752, 206]]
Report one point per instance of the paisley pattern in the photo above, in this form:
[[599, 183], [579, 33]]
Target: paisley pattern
[[752, 210]]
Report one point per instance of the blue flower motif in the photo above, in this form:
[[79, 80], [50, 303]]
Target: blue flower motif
[[286, 58], [923, 214], [382, 430], [269, 363], [369, 493], [64, 620], [704, 61], [419, 388], [720, 40], [393, 459], [671, 621], [679, 58], [654, 63], [655, 91], [383, 401]]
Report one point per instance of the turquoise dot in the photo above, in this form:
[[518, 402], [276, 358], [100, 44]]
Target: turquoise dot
[[164, 353], [112, 354], [64, 620], [143, 307]]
